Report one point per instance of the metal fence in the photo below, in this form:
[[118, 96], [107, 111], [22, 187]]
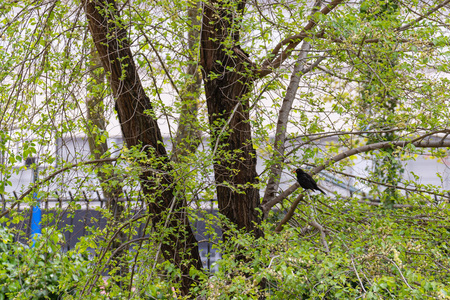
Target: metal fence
[[74, 223]]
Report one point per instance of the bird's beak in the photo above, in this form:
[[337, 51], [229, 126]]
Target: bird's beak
[[294, 171]]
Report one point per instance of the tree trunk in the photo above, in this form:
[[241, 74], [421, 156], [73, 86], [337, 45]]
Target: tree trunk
[[227, 78], [141, 130]]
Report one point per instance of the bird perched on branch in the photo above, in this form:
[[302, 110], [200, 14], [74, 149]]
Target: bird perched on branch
[[306, 181]]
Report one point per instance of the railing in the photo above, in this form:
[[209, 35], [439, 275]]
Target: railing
[[60, 202], [79, 220]]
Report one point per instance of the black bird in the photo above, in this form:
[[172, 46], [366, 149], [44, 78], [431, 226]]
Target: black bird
[[306, 181]]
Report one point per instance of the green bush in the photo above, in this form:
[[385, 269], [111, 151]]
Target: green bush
[[359, 264], [39, 272]]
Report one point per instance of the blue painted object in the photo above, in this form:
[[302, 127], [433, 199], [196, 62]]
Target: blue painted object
[[36, 218]]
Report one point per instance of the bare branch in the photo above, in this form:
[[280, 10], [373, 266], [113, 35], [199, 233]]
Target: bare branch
[[425, 16], [323, 240], [300, 69], [283, 117], [372, 203], [290, 213], [400, 271], [418, 142], [276, 59], [357, 274], [390, 185]]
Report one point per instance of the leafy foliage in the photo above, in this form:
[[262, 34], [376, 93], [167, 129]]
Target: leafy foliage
[[39, 272], [374, 71], [371, 256]]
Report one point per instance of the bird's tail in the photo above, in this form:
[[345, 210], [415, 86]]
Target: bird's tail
[[321, 191]]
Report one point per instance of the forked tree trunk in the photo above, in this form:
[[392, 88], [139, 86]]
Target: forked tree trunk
[[141, 130], [227, 79]]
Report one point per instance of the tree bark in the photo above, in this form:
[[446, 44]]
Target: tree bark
[[227, 80], [140, 129]]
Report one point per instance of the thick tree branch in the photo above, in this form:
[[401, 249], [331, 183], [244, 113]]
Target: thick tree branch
[[277, 59], [300, 69], [290, 213], [227, 82], [323, 239], [425, 16], [414, 190], [283, 117], [429, 143], [418, 142]]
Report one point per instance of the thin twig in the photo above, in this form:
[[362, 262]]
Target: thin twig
[[357, 274], [400, 271]]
